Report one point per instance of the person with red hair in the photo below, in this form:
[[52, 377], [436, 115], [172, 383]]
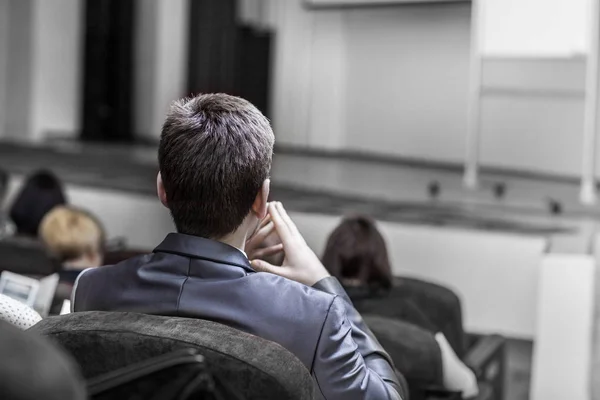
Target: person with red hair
[[357, 255]]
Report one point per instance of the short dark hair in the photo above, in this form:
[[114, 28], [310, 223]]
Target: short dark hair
[[41, 192], [215, 153], [356, 250]]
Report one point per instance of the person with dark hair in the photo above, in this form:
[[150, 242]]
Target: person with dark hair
[[41, 192], [356, 254], [215, 156]]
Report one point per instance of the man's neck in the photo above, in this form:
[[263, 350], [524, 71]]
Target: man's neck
[[236, 239]]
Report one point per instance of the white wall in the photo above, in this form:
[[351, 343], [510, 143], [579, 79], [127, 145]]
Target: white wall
[[384, 80], [393, 81], [57, 68], [390, 81], [161, 62], [407, 80], [536, 28], [532, 114], [562, 356], [534, 133], [43, 75]]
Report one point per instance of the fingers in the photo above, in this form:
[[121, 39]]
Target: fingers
[[261, 224], [263, 266], [284, 215], [265, 221], [268, 251], [260, 235], [283, 230]]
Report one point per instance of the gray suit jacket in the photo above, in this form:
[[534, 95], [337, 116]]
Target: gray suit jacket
[[193, 277]]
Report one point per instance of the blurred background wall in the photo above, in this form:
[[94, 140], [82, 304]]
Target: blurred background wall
[[393, 79]]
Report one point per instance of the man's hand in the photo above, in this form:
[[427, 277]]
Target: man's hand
[[300, 263], [264, 244]]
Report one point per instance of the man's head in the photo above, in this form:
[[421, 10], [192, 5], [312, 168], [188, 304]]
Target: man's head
[[215, 156]]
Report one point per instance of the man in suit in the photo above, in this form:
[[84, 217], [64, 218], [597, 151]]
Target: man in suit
[[215, 156]]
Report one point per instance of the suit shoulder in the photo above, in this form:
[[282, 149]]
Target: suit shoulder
[[292, 287], [133, 262]]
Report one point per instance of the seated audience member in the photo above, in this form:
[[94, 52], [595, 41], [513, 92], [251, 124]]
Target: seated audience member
[[215, 155], [356, 254], [75, 238], [17, 313], [41, 192], [34, 368]]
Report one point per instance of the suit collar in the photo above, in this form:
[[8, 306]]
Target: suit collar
[[203, 249]]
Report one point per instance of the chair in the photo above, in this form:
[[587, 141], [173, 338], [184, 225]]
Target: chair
[[105, 342], [485, 356], [179, 375], [26, 256]]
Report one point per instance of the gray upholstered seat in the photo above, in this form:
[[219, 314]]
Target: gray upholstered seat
[[26, 256], [102, 342]]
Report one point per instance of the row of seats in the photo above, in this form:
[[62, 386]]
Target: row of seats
[[183, 316], [413, 349], [127, 356], [83, 335]]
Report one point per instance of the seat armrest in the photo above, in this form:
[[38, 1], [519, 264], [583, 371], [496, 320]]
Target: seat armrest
[[482, 353], [440, 393]]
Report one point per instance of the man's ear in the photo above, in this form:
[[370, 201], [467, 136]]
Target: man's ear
[[261, 202], [160, 189]]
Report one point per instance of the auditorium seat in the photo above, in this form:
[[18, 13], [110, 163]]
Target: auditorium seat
[[179, 375], [419, 359], [105, 342], [26, 256]]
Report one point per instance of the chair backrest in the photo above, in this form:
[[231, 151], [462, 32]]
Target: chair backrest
[[414, 350], [103, 342], [26, 256], [179, 375]]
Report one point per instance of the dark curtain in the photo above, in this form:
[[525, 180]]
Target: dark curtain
[[108, 70], [225, 56]]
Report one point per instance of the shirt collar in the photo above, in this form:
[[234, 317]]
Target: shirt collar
[[205, 249]]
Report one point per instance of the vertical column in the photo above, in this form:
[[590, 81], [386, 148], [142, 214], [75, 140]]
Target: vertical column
[[57, 68], [161, 56], [588, 177], [292, 78], [562, 355], [42, 68], [19, 69], [471, 174], [328, 81]]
